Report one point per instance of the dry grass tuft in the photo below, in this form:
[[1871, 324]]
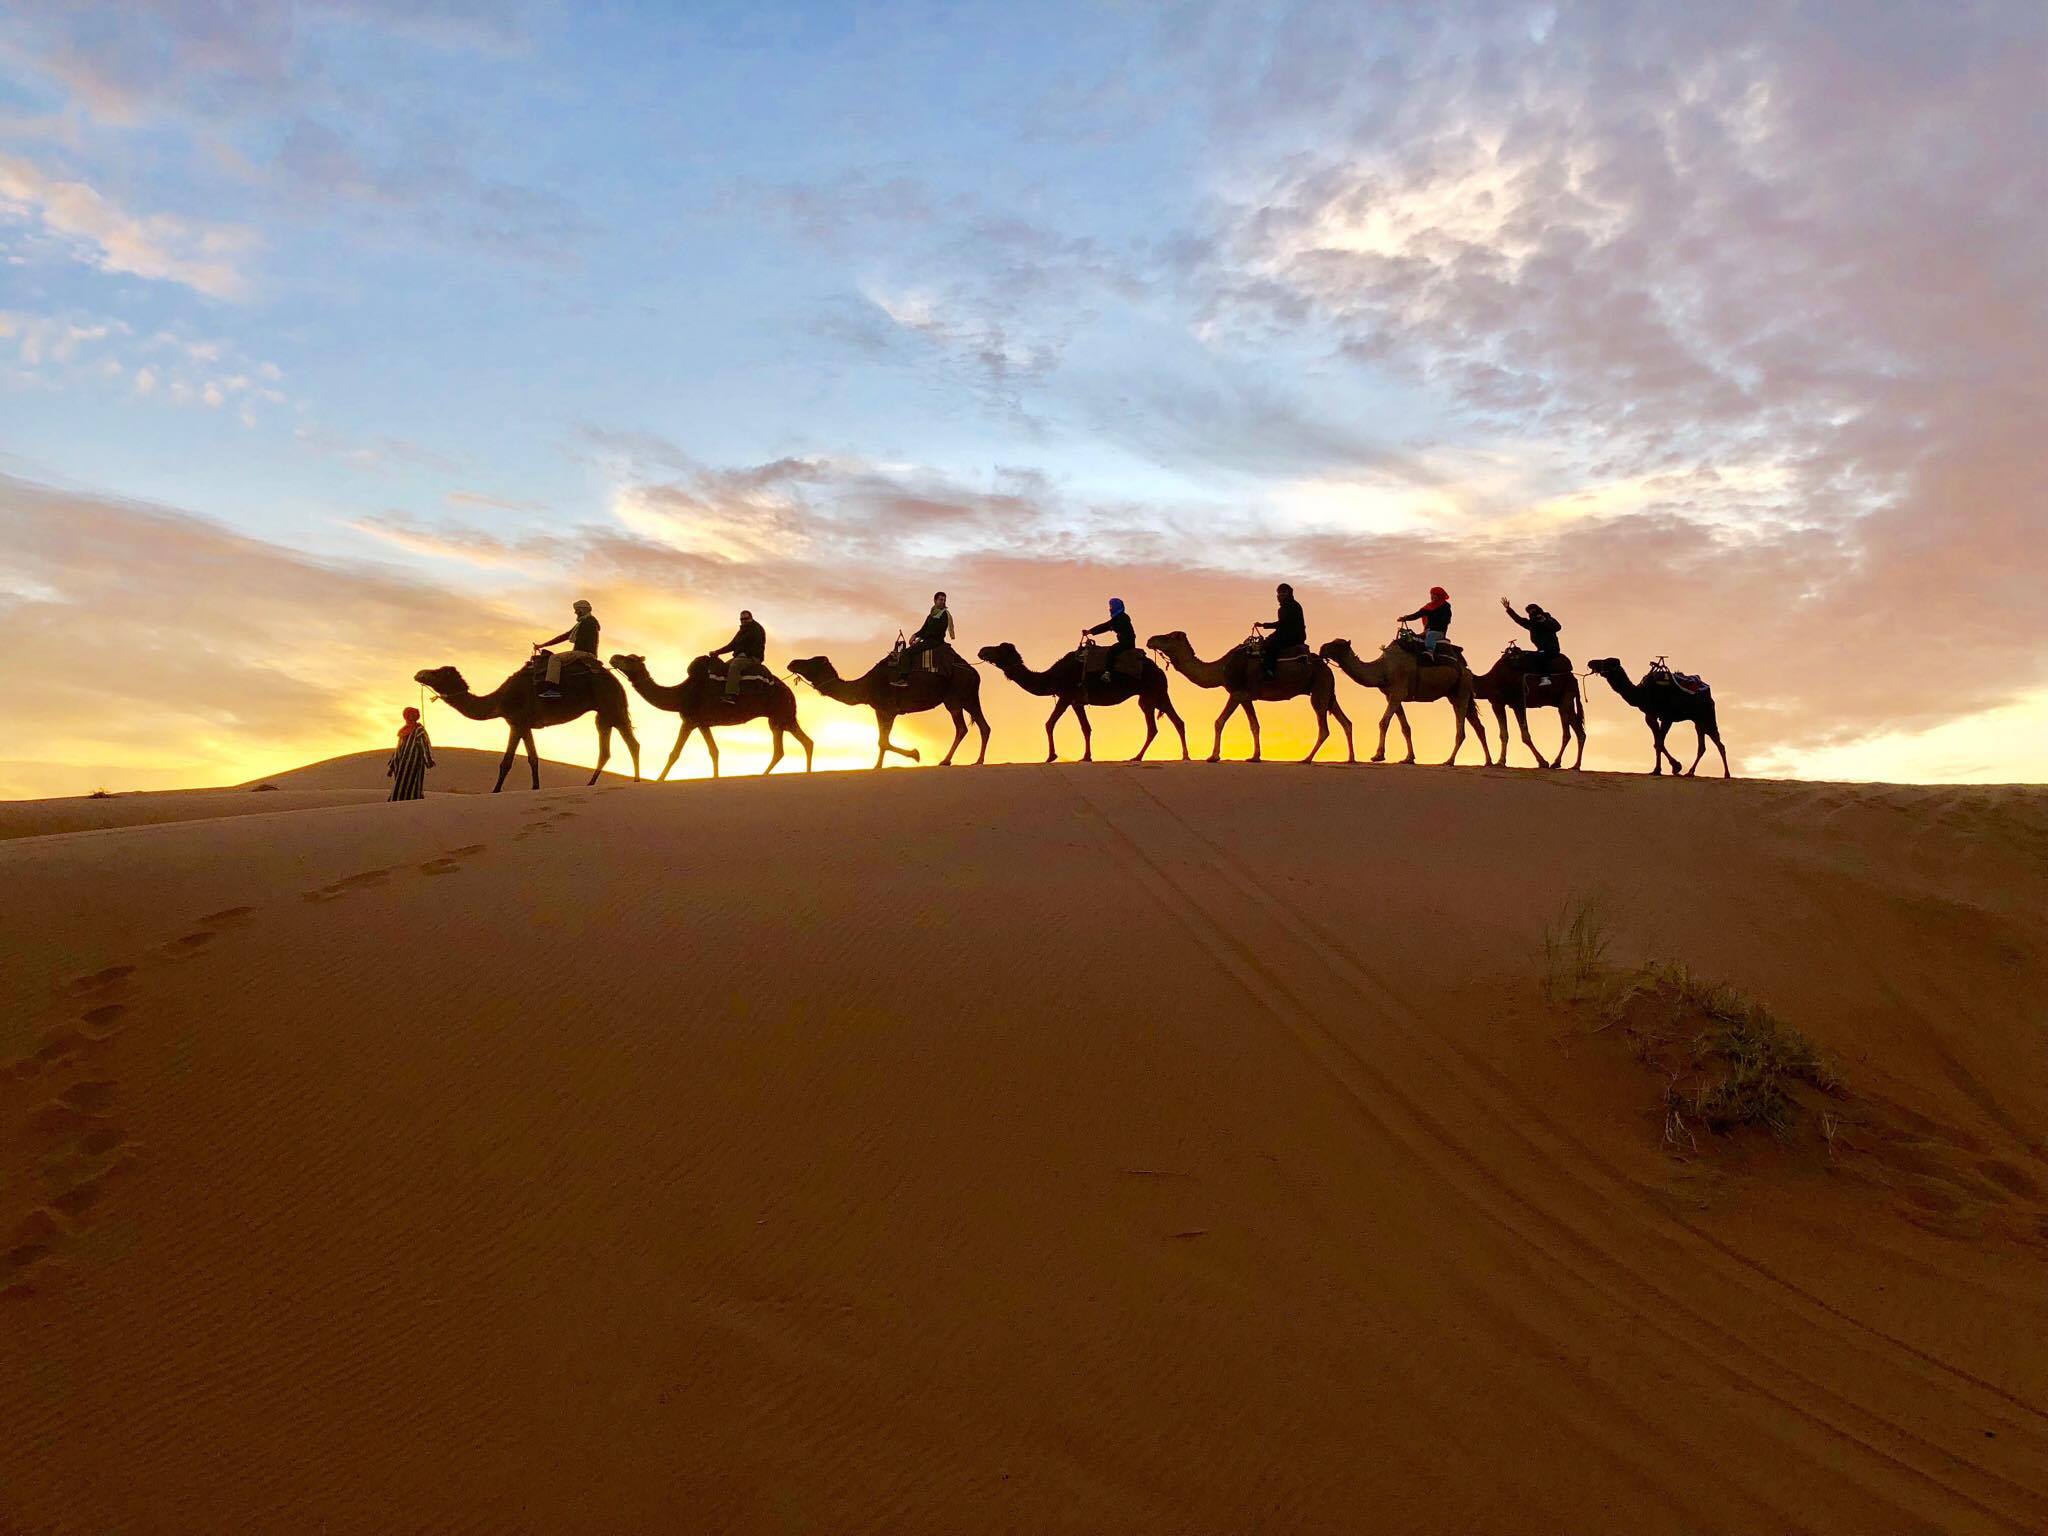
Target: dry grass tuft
[[1727, 1061]]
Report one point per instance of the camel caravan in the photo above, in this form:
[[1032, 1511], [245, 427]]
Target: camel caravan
[[922, 671]]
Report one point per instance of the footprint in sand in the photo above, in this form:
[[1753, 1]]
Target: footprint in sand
[[449, 862], [353, 883], [99, 981], [88, 1098], [101, 1022], [187, 944], [2014, 1181], [228, 918], [31, 1241]]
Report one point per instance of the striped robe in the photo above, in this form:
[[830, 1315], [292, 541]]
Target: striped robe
[[409, 765]]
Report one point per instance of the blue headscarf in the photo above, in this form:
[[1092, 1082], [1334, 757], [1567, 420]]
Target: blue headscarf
[[1116, 607]]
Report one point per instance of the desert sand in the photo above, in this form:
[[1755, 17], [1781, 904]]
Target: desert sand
[[1077, 1149], [355, 779]]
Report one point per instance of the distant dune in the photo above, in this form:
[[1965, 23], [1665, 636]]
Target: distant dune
[[1170, 1149], [355, 779]]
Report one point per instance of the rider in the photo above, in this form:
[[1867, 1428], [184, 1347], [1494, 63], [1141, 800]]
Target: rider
[[1119, 624], [748, 646], [1289, 629], [582, 638], [1542, 628], [1436, 618], [936, 630]]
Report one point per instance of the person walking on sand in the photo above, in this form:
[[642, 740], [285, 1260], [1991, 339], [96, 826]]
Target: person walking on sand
[[408, 767], [582, 638]]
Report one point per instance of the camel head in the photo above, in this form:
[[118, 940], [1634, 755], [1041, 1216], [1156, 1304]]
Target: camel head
[[1608, 667], [1174, 642], [633, 666], [445, 681], [1330, 650], [815, 669], [1005, 656], [699, 668]]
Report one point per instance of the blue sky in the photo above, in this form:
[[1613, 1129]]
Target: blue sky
[[1717, 332]]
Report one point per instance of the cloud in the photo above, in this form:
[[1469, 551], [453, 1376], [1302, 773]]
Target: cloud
[[166, 640], [208, 258], [1779, 277]]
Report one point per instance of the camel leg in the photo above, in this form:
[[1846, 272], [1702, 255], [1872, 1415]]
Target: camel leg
[[1350, 742], [1087, 732], [1251, 716], [1379, 753], [711, 746], [1052, 752], [1522, 721], [774, 757], [1229, 709], [980, 724], [505, 762], [1472, 718], [1577, 725], [1322, 731], [1151, 729], [959, 734], [804, 741], [1564, 738], [604, 747], [1458, 740], [532, 757], [632, 746], [884, 724], [1174, 715], [681, 737], [1726, 771], [1657, 730], [1700, 731]]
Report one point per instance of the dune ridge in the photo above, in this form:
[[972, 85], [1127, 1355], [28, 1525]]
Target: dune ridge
[[1070, 1149]]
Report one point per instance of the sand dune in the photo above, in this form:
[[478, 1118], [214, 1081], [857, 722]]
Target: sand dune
[[356, 779], [1169, 1149]]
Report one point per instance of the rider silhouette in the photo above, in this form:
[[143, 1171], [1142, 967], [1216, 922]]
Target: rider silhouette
[[1289, 629]]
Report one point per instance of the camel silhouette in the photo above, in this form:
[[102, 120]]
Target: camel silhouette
[[1405, 680], [518, 703], [1245, 681], [1664, 705], [700, 699], [1065, 683], [1507, 687], [957, 689]]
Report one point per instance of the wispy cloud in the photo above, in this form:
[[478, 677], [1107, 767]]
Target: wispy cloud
[[206, 257]]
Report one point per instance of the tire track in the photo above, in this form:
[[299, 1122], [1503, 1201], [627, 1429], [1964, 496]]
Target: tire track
[[1899, 1450]]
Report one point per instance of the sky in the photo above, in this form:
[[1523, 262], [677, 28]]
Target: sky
[[344, 338]]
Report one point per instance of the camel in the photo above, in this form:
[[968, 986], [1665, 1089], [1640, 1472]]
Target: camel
[[1237, 673], [1507, 687], [1063, 682], [700, 699], [518, 703], [1665, 705], [1404, 679], [957, 690]]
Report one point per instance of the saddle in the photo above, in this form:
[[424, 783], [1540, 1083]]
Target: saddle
[[537, 664], [1446, 653], [757, 679], [930, 658], [1684, 682], [1095, 662], [1537, 665]]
